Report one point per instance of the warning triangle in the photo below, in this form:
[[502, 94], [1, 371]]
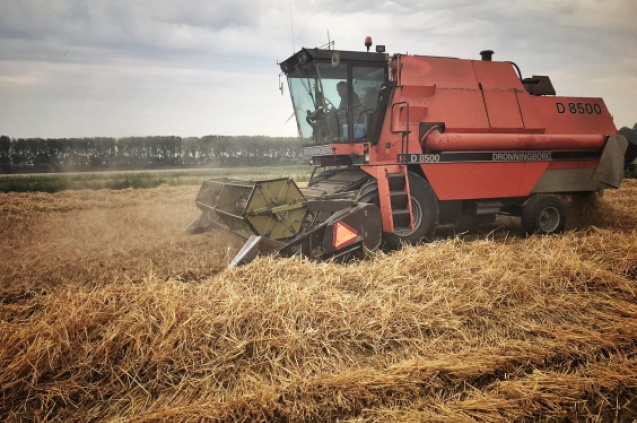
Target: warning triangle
[[343, 235]]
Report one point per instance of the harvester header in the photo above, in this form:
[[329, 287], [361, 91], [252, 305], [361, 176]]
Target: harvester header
[[402, 144]]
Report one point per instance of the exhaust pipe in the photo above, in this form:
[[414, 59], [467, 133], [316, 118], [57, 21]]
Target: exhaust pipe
[[486, 55]]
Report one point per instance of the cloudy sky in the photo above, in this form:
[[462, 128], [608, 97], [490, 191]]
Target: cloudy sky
[[74, 68]]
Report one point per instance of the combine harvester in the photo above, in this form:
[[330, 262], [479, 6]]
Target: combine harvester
[[405, 143]]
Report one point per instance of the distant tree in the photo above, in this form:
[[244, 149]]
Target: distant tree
[[5, 154], [81, 154], [191, 151]]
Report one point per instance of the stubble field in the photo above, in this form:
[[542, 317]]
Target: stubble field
[[108, 312]]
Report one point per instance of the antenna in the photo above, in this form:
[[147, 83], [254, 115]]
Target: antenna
[[330, 43], [292, 27]]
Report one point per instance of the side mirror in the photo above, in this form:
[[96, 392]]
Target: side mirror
[[281, 86], [336, 59]]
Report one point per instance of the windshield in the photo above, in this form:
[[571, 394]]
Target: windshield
[[329, 101]]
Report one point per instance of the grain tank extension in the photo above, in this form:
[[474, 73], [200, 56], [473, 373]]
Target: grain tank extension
[[401, 144]]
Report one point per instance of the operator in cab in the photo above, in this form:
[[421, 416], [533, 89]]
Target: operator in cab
[[346, 114], [343, 91]]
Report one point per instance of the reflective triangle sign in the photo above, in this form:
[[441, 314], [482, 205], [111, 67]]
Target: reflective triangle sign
[[343, 235]]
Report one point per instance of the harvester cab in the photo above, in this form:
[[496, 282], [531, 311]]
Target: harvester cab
[[335, 94], [405, 143]]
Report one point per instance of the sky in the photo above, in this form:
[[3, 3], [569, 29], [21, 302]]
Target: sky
[[85, 68]]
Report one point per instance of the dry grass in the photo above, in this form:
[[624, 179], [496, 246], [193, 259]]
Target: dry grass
[[109, 313]]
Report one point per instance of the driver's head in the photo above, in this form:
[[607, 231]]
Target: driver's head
[[341, 87]]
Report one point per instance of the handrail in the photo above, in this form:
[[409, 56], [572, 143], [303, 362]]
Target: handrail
[[405, 133]]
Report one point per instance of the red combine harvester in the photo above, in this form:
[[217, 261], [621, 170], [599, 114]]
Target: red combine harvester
[[405, 143]]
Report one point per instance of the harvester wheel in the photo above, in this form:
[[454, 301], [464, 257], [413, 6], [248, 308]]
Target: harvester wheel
[[543, 215], [424, 205]]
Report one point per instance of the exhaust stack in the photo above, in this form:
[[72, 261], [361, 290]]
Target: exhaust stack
[[486, 55]]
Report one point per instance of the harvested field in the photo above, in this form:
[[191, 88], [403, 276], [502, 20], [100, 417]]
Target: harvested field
[[109, 313]]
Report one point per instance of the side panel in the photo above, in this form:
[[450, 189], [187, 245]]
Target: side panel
[[567, 180], [610, 170], [503, 110], [532, 119], [464, 181], [461, 110], [499, 85], [574, 115], [496, 75], [441, 72], [441, 89]]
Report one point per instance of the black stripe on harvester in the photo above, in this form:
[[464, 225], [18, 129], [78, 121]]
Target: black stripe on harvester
[[497, 156]]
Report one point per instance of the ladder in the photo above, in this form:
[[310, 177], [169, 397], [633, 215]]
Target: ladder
[[395, 199]]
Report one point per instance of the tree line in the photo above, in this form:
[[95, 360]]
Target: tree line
[[19, 155], [101, 153]]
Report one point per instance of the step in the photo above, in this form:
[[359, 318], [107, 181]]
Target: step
[[398, 199], [396, 181], [484, 207], [402, 218]]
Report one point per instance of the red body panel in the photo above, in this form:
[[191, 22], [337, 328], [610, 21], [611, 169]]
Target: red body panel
[[580, 116], [484, 107], [465, 181]]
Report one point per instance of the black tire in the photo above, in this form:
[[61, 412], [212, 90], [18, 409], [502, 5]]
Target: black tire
[[543, 215], [424, 209]]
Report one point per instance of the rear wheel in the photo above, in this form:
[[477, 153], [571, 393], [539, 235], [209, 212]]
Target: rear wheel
[[424, 209], [543, 215]]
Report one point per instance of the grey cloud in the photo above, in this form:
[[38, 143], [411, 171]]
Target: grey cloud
[[194, 67], [213, 15], [37, 18], [162, 28], [395, 7]]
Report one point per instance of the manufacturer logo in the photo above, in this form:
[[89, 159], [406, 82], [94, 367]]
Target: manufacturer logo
[[522, 157], [318, 150]]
